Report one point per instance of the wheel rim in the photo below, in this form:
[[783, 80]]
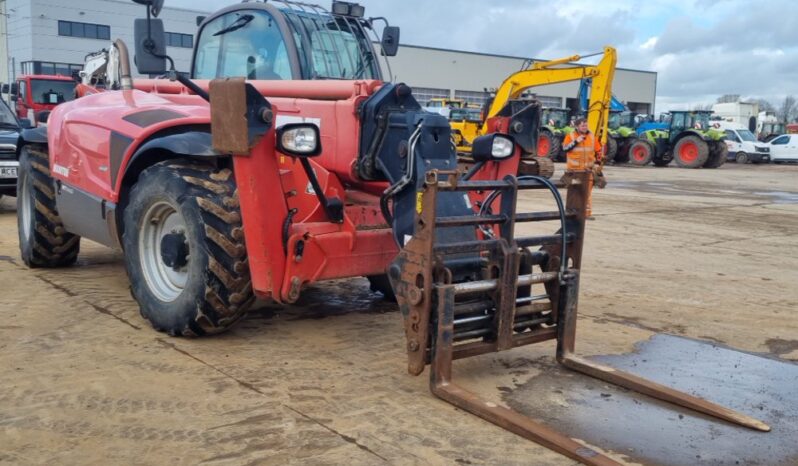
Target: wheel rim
[[26, 213], [639, 153], [742, 158], [688, 151], [164, 281], [543, 146]]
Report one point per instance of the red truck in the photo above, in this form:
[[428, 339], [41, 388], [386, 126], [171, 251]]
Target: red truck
[[37, 93]]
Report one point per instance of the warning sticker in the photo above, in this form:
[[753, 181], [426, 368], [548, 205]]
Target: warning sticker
[[419, 201]]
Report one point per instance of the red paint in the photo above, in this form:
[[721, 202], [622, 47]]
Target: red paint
[[269, 183], [688, 151]]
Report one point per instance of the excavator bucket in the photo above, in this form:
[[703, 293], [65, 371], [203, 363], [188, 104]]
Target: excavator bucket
[[511, 296]]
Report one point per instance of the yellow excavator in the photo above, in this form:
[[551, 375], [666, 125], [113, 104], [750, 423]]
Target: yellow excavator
[[539, 74]]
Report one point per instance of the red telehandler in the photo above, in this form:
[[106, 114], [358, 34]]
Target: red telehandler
[[256, 176]]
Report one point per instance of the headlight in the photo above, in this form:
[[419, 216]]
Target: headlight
[[502, 147], [494, 146], [299, 139]]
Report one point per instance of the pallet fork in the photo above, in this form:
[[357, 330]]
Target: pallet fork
[[498, 311]]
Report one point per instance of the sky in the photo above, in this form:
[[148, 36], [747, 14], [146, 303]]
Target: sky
[[700, 49]]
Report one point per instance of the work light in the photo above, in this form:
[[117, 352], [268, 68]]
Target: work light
[[299, 139], [494, 146]]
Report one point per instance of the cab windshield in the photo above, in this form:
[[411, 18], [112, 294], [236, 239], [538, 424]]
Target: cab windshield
[[51, 91], [746, 135], [332, 47], [250, 43]]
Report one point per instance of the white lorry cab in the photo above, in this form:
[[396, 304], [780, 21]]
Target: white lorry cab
[[743, 145]]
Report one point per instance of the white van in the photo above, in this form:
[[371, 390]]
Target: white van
[[743, 146]]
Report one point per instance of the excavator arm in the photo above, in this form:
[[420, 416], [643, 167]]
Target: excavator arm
[[552, 72]]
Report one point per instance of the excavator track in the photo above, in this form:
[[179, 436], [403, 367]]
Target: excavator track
[[512, 296]]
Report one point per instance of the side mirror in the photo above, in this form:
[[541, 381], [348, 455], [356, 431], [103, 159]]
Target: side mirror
[[150, 46], [154, 6], [5, 89], [14, 88], [13, 97], [390, 41], [24, 123], [200, 19]]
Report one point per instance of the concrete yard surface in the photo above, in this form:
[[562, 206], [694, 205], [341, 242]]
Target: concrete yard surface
[[681, 268]]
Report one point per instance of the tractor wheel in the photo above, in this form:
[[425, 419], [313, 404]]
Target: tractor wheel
[[545, 142], [691, 152], [623, 151], [641, 152], [184, 248], [718, 153], [43, 241], [611, 150], [381, 284], [536, 166]]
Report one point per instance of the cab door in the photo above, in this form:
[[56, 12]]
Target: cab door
[[779, 149], [733, 141]]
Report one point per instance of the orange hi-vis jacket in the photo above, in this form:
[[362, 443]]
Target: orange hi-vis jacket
[[582, 155]]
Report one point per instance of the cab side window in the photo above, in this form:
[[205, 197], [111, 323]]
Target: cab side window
[[244, 43], [23, 91], [731, 136], [781, 140]]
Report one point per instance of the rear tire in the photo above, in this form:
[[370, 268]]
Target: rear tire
[[549, 145], [691, 152], [612, 150], [43, 240], [641, 152], [623, 150], [184, 248]]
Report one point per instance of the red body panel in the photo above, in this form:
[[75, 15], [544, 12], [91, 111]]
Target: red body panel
[[269, 183]]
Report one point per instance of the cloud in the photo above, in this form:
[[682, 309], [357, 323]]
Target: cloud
[[700, 48]]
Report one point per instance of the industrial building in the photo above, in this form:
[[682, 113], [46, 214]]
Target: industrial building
[[53, 37]]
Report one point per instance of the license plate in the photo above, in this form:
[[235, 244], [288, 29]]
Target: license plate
[[8, 172]]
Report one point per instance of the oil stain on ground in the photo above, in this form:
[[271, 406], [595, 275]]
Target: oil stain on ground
[[658, 433]]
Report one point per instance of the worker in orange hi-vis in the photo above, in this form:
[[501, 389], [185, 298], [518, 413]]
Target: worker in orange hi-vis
[[583, 149]]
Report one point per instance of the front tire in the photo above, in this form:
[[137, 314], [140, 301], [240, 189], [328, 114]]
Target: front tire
[[641, 152], [741, 158], [184, 248], [43, 240]]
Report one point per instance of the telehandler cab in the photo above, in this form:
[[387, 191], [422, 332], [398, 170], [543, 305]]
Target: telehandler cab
[[219, 191]]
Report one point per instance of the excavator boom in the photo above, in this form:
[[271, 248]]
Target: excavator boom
[[553, 72]]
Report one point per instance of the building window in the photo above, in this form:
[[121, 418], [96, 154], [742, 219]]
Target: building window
[[175, 39], [84, 30], [472, 97], [424, 94], [46, 67]]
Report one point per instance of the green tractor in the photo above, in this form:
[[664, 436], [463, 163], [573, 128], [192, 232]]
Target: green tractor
[[690, 139], [553, 129], [621, 136]]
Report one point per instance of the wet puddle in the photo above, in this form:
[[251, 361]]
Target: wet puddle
[[657, 433]]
